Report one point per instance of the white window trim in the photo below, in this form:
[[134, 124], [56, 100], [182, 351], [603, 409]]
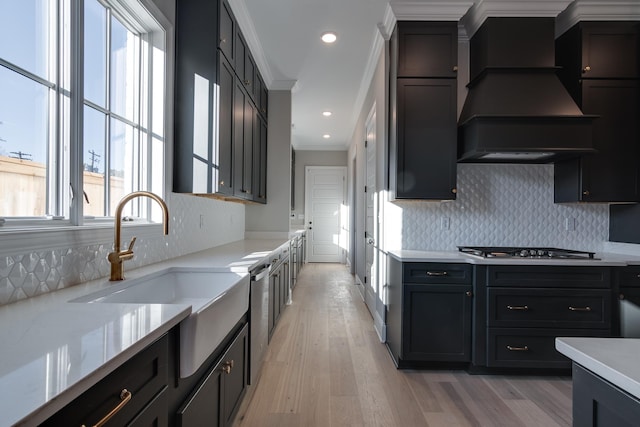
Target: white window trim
[[16, 238]]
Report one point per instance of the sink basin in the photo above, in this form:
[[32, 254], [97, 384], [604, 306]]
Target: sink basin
[[218, 300]]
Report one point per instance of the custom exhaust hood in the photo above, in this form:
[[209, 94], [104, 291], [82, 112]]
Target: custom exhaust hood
[[517, 110]]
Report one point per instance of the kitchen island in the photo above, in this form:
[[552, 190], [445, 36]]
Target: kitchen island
[[606, 380]]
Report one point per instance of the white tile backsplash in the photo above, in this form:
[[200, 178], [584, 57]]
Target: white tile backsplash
[[503, 205], [27, 275]]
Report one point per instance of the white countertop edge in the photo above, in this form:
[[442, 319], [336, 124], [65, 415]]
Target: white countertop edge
[[42, 413], [614, 359], [604, 259]]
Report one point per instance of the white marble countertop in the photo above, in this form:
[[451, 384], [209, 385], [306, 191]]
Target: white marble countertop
[[603, 259], [53, 350], [614, 359]]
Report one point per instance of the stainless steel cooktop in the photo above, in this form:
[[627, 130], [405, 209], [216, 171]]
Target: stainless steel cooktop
[[524, 252]]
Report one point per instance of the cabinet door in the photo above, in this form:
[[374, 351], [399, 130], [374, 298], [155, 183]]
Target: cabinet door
[[610, 50], [611, 174], [274, 300], [437, 323], [426, 139], [203, 406], [260, 161], [427, 49], [227, 31], [235, 380], [243, 118], [223, 176]]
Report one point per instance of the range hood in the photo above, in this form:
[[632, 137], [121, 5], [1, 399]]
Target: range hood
[[517, 110]]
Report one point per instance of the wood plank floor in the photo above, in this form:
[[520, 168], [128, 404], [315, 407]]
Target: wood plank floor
[[326, 367]]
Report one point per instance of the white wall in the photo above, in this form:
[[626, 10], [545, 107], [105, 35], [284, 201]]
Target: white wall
[[311, 158], [272, 219]]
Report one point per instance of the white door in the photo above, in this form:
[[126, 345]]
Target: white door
[[324, 210], [371, 216]]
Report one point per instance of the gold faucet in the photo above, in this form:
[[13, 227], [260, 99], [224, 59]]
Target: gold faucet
[[117, 257]]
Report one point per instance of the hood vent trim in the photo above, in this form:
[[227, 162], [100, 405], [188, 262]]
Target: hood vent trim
[[517, 110]]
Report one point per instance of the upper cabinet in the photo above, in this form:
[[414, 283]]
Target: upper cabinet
[[218, 104], [423, 111], [600, 68]]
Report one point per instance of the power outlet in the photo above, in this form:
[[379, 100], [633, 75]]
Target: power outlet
[[444, 223], [570, 224], [201, 221]]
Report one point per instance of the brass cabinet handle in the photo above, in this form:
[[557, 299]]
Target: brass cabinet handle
[[586, 192], [512, 348], [437, 273], [455, 68], [469, 293], [227, 366], [125, 397], [223, 40], [518, 307], [586, 69], [454, 190], [587, 308], [221, 182]]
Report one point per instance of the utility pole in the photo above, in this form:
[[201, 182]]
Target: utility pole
[[95, 158], [20, 155]]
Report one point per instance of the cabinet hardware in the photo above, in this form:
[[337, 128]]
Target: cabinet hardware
[[454, 190], [221, 182], [518, 307], [247, 82], [585, 69], [638, 276], [586, 192], [437, 273], [587, 308], [469, 293], [227, 366], [455, 68], [125, 397], [512, 348], [223, 40], [621, 297]]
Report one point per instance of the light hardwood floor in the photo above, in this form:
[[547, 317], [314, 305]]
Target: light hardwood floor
[[326, 367]]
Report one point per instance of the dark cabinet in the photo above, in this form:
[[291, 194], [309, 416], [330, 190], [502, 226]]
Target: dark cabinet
[[278, 288], [521, 309], [599, 63], [427, 50], [429, 313], [216, 399], [260, 160], [138, 387], [423, 127], [217, 105], [597, 402]]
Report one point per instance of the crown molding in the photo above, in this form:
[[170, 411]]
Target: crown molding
[[243, 18], [484, 9], [283, 84], [429, 10], [597, 10]]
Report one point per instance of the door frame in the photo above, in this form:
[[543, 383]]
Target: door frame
[[307, 210]]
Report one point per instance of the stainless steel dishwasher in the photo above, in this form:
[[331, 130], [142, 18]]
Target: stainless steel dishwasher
[[258, 320]]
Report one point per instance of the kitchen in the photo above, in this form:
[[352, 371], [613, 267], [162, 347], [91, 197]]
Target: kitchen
[[495, 205]]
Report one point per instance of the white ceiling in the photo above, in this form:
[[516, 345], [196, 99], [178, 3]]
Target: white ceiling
[[284, 37], [322, 77]]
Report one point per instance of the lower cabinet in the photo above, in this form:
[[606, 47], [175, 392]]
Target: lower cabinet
[[138, 388], [216, 399], [597, 402], [429, 312], [278, 288]]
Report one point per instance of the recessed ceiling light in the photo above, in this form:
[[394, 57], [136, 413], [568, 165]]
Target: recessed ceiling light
[[329, 37], [326, 113], [326, 136]]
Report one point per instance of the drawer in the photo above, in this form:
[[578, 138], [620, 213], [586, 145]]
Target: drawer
[[629, 276], [145, 375], [549, 276], [554, 308], [421, 272], [530, 348]]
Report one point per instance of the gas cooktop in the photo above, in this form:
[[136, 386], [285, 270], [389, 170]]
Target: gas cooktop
[[524, 252]]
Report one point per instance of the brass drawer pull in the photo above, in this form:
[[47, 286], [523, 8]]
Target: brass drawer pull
[[436, 273], [587, 308], [512, 348], [125, 397], [518, 307]]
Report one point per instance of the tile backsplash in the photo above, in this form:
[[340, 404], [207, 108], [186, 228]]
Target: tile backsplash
[[502, 205], [30, 274]]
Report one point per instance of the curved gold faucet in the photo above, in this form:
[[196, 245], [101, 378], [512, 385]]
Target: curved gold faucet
[[117, 257]]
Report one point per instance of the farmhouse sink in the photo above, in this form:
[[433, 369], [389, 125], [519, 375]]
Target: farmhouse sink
[[218, 299]]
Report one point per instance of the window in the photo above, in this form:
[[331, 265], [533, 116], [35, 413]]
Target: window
[[81, 111]]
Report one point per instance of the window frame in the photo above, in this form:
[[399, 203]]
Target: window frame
[[31, 234]]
